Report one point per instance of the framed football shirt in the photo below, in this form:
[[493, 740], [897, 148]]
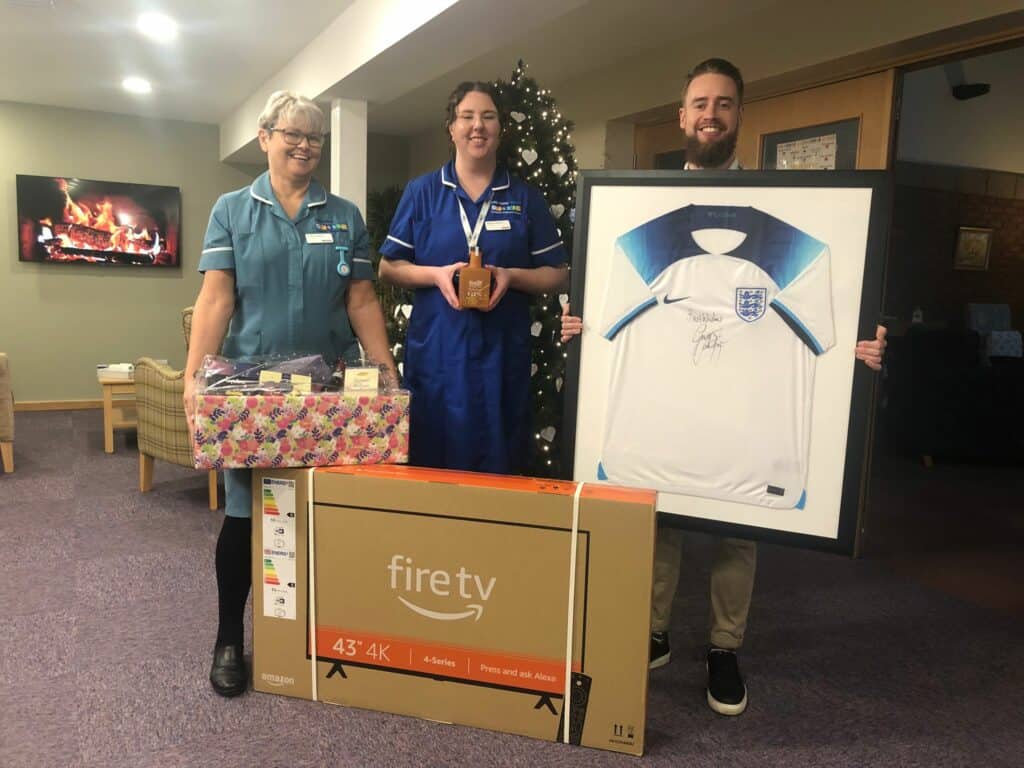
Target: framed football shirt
[[716, 366]]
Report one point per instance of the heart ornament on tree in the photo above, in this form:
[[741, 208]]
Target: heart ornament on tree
[[559, 169], [529, 156], [548, 433], [517, 116], [557, 210]]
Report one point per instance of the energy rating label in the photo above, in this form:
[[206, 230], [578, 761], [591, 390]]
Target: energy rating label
[[279, 586]]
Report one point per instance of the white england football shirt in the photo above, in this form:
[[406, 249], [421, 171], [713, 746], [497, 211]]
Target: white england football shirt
[[717, 314]]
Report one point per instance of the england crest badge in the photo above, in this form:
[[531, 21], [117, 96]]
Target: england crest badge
[[751, 303]]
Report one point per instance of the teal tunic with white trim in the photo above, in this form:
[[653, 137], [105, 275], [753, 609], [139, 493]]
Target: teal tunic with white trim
[[291, 276]]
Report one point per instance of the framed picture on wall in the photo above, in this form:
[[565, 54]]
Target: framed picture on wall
[[827, 147], [720, 314], [973, 245]]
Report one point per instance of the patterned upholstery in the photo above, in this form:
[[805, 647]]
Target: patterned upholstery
[[163, 430], [6, 415]]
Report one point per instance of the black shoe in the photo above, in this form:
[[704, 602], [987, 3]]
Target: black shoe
[[661, 654], [227, 675], [727, 694]]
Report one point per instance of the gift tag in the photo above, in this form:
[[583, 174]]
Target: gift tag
[[362, 378]]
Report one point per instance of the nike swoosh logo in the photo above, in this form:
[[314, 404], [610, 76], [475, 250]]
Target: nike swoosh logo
[[669, 300]]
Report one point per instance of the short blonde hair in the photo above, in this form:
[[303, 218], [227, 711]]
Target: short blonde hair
[[284, 104]]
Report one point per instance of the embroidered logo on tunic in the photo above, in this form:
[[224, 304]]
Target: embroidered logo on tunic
[[750, 303], [506, 207], [331, 226]]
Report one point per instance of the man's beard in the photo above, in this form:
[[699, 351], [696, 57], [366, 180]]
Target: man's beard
[[710, 154]]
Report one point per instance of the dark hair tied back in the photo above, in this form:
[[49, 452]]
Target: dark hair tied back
[[470, 86]]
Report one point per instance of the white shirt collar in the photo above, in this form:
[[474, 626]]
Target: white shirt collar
[[734, 167]]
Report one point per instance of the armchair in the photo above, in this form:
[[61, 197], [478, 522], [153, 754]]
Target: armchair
[[163, 431], [6, 416]]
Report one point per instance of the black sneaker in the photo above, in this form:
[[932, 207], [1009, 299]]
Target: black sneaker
[[727, 694], [661, 654]]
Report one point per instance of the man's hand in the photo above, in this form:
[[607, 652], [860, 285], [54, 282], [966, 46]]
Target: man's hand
[[571, 325], [444, 280], [502, 278], [872, 352]]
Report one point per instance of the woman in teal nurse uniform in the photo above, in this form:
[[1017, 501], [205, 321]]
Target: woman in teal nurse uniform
[[469, 370], [285, 271]]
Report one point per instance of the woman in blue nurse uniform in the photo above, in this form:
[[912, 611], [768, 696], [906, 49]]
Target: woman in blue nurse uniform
[[469, 370], [285, 271]]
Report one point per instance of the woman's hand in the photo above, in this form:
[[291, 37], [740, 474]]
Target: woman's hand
[[444, 280], [502, 280], [571, 325], [872, 352]]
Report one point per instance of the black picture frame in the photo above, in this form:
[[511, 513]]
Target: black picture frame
[[626, 199], [846, 134]]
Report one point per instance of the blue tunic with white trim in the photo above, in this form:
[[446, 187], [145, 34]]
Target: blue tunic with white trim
[[291, 276], [469, 371]]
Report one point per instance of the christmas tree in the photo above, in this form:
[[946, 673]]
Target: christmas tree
[[537, 147]]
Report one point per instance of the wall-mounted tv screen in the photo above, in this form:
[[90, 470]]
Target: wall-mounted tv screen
[[66, 220]]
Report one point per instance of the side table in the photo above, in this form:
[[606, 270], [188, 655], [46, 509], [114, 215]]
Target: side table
[[118, 407]]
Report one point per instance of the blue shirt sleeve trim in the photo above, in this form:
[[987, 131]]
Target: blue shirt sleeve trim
[[630, 316], [797, 327]]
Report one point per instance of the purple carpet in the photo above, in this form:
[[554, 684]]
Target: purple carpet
[[109, 610]]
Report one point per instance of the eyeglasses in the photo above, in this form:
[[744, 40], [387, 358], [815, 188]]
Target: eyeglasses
[[294, 138]]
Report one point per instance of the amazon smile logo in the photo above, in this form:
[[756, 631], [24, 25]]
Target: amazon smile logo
[[460, 585]]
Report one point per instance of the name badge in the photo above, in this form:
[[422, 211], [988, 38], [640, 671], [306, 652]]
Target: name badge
[[362, 379], [319, 237], [500, 225]]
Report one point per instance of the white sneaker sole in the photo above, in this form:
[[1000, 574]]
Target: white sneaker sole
[[730, 710], [661, 661]]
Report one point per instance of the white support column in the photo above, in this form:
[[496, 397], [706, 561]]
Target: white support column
[[348, 151]]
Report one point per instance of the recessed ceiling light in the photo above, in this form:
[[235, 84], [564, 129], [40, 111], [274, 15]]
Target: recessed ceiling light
[[158, 27], [136, 85]]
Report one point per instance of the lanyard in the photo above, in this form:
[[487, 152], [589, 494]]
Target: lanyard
[[474, 235]]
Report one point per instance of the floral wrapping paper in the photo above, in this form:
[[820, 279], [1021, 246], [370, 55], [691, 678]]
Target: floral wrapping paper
[[300, 430]]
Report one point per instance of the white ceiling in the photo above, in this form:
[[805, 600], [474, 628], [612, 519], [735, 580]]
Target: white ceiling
[[74, 53]]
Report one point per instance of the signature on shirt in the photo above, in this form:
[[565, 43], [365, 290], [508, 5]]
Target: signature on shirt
[[707, 344]]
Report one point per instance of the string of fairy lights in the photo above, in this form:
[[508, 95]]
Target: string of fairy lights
[[541, 152]]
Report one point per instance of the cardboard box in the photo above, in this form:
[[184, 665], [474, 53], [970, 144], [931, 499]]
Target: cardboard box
[[300, 430], [445, 595]]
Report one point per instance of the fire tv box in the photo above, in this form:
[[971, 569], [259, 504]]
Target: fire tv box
[[506, 603]]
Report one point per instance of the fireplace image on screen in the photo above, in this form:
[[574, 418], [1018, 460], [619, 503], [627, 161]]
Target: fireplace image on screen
[[69, 220]]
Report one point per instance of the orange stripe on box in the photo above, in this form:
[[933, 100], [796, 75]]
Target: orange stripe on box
[[430, 658], [501, 482]]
